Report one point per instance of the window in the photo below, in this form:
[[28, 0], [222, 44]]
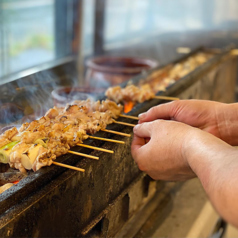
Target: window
[[36, 32]]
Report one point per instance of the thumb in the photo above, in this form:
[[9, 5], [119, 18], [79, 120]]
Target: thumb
[[143, 130]]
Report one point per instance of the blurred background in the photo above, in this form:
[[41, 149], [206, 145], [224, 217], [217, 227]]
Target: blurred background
[[47, 44], [36, 32]]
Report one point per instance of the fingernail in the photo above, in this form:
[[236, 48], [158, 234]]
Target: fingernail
[[142, 115]]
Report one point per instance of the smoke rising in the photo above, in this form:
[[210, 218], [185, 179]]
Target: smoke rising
[[28, 98]]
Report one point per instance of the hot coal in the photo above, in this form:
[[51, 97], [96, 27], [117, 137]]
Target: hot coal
[[10, 177]]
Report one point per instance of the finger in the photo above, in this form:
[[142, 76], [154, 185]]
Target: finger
[[143, 130], [136, 144], [163, 111], [139, 151]]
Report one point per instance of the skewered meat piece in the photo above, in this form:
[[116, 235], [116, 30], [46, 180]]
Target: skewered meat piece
[[6, 137], [30, 126], [74, 115], [114, 93], [45, 158], [163, 85], [10, 133], [57, 147], [30, 156], [134, 93], [53, 112], [34, 156], [146, 93], [105, 106], [130, 92], [85, 105], [30, 136], [32, 132], [110, 106], [73, 136], [24, 126], [15, 156], [99, 120]]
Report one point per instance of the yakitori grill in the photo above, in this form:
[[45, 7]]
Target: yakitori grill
[[106, 197]]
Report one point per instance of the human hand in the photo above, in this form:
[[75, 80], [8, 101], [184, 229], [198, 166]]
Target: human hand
[[176, 151], [162, 156], [217, 118]]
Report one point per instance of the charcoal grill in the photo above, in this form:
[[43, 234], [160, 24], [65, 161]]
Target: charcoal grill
[[57, 202]]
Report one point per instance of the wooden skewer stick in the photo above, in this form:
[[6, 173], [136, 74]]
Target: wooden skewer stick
[[124, 123], [105, 139], [69, 167], [116, 132], [96, 148], [166, 98], [130, 117], [84, 155], [234, 52]]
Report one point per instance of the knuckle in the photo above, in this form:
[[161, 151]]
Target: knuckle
[[174, 104], [157, 123], [153, 110], [148, 126], [145, 126]]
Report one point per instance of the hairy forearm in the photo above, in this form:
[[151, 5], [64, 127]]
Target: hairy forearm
[[216, 165], [227, 122]]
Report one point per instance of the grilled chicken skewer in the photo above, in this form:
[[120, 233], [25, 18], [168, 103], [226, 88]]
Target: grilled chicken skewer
[[134, 94], [130, 93], [157, 81], [38, 143]]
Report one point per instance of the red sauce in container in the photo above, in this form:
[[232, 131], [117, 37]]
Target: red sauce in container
[[106, 71]]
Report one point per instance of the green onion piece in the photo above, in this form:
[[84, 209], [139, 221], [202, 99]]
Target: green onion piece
[[5, 152]]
